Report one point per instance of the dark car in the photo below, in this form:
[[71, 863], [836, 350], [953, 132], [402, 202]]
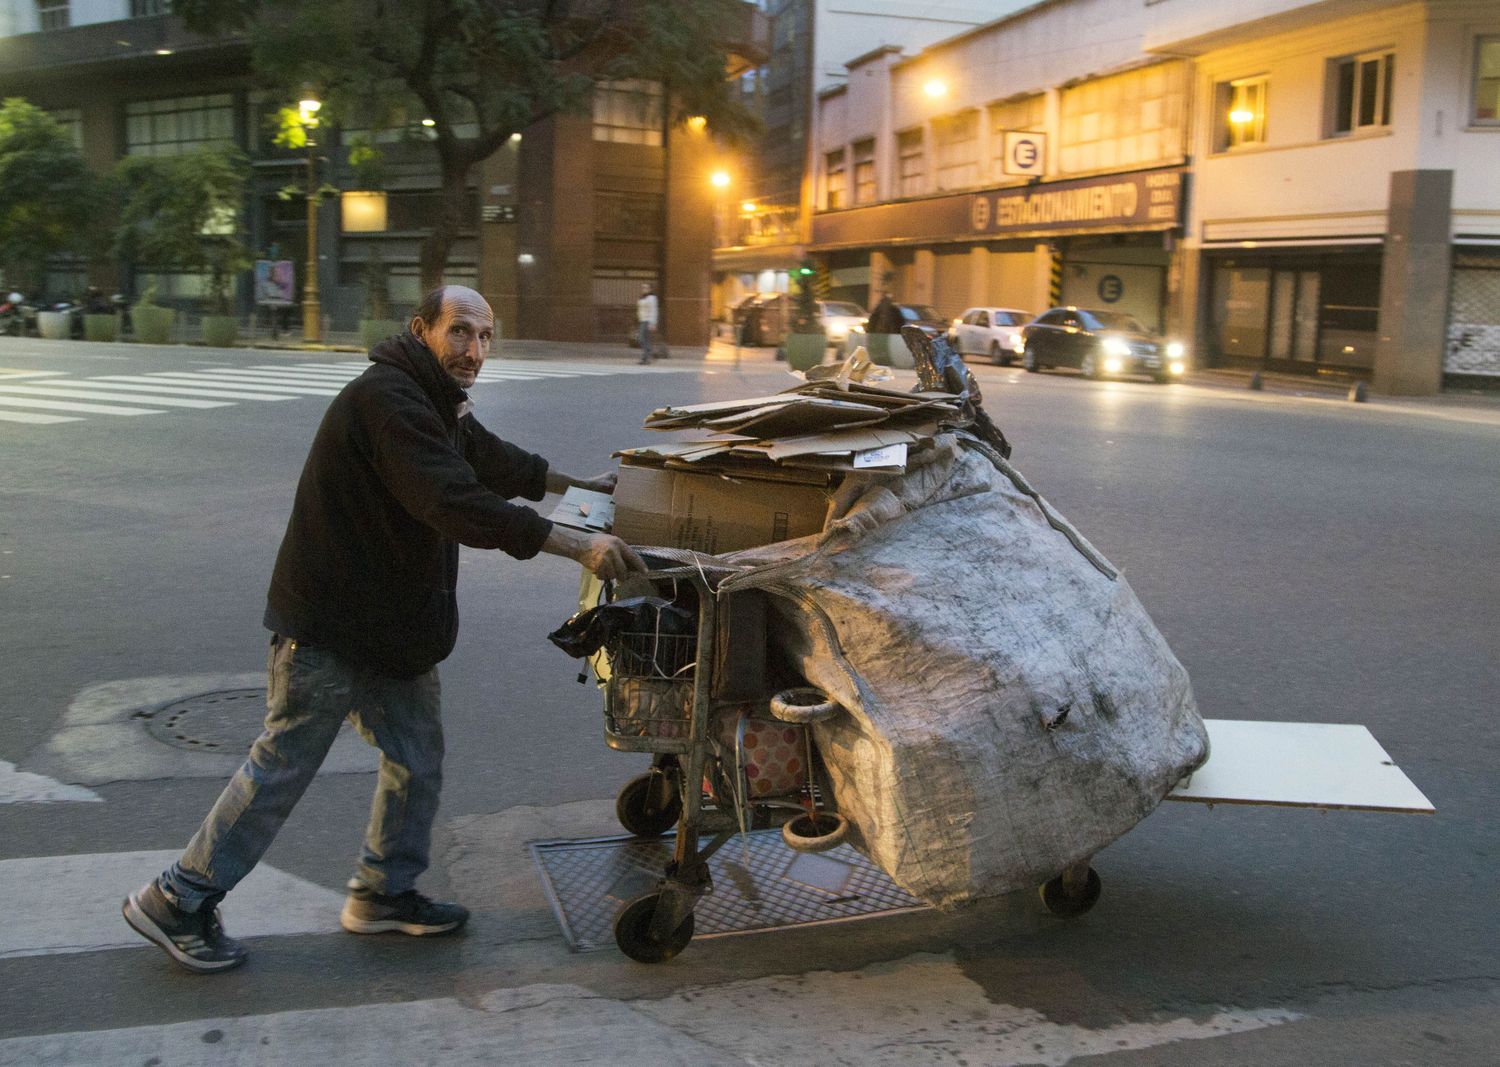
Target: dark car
[[921, 316], [1100, 344]]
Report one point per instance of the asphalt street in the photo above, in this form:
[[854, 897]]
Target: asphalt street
[[1308, 559]]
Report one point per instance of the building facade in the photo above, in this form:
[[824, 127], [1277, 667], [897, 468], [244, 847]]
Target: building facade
[[569, 218], [763, 214], [1297, 186]]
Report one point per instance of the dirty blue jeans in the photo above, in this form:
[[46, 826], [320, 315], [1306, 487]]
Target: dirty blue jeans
[[310, 691]]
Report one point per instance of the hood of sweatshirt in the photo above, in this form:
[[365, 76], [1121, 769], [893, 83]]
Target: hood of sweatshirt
[[416, 359]]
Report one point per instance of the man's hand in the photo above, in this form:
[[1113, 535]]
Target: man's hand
[[603, 554], [558, 482]]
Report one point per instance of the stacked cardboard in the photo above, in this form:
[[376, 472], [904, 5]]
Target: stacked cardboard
[[762, 469]]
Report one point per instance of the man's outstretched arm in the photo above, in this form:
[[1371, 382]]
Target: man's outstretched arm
[[603, 554]]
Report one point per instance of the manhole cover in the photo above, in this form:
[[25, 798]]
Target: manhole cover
[[225, 721]]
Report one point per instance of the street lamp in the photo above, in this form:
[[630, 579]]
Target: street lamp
[[312, 312]]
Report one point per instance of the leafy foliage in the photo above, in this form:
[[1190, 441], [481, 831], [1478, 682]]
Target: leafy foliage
[[47, 194], [480, 70], [183, 212]]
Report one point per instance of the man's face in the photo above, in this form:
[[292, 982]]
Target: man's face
[[460, 337]]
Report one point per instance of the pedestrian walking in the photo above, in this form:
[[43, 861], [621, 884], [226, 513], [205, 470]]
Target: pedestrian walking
[[362, 607], [645, 319]]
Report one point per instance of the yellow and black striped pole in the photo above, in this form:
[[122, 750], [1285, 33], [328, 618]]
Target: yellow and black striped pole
[[1055, 277]]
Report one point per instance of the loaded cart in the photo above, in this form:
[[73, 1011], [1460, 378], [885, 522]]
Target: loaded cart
[[671, 659]]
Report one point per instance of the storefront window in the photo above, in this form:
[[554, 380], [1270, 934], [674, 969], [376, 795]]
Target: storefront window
[[1292, 310], [1241, 299], [1487, 81]]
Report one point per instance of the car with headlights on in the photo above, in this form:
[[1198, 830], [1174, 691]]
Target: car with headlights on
[[991, 332], [1101, 344], [839, 317]]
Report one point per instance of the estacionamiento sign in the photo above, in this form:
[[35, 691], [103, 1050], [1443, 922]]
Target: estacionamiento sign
[[1145, 200]]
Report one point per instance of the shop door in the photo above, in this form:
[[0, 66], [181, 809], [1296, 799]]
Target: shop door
[[1294, 315], [1474, 316]]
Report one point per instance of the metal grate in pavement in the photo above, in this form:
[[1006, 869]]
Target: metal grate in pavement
[[759, 884]]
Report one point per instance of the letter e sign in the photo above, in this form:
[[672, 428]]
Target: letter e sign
[[1025, 153]]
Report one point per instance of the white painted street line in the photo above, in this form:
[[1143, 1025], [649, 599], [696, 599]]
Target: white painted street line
[[35, 419], [185, 379], [66, 904], [69, 393], [236, 383], [331, 374], [159, 389], [216, 374], [8, 375], [23, 787], [67, 405], [910, 1011]]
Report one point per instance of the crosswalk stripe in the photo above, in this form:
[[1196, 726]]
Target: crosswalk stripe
[[35, 419], [235, 383], [158, 389], [68, 405], [304, 373], [94, 394], [229, 376]]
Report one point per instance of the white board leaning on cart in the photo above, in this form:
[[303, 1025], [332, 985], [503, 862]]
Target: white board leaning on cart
[[1298, 764]]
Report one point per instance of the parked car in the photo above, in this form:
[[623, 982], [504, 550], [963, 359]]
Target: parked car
[[1100, 344], [766, 318], [838, 318], [991, 332], [919, 315]]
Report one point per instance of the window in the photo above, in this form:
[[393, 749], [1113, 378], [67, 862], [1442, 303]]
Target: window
[[1487, 81], [913, 163], [628, 112], [1362, 92], [1130, 119], [179, 124], [53, 14], [71, 121], [634, 216], [1241, 116], [864, 171], [956, 142], [835, 181], [1028, 113], [143, 9]]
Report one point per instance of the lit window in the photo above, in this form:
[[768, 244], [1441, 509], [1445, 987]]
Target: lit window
[[864, 171], [179, 124], [836, 179], [628, 112], [956, 144], [1487, 81], [1362, 92], [913, 163], [1241, 112]]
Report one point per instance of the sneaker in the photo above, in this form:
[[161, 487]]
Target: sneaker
[[194, 939], [368, 912]]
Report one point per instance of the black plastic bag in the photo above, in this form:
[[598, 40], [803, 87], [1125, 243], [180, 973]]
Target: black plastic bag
[[589, 631]]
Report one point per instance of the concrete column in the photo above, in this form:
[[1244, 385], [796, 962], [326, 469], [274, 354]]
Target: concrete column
[[688, 209], [979, 276], [880, 266], [1414, 282], [923, 277], [1041, 277]]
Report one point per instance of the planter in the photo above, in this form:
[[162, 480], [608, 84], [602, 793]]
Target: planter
[[879, 345], [373, 331], [804, 350], [101, 327], [220, 331], [53, 325], [153, 325]]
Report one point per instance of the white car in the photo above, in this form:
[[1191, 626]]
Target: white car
[[994, 333], [839, 317]]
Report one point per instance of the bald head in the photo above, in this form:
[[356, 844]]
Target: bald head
[[457, 326]]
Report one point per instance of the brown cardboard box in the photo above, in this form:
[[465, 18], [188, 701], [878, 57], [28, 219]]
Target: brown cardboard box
[[708, 513]]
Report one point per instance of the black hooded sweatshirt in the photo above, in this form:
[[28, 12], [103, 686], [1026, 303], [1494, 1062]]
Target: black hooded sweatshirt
[[395, 481]]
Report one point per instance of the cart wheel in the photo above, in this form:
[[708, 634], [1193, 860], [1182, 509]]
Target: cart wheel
[[633, 932], [815, 832], [805, 705], [639, 809], [1066, 906]]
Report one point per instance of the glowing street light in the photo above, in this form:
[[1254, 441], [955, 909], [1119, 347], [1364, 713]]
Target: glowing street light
[[935, 88], [720, 179]]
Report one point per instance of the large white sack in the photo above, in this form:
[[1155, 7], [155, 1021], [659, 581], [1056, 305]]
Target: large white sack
[[1011, 708]]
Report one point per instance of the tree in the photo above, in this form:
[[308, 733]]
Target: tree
[[47, 194], [183, 211], [482, 70]]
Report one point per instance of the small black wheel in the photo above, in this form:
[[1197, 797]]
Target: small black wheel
[[997, 355], [1028, 361], [1090, 366], [1065, 906], [633, 932], [640, 807]]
